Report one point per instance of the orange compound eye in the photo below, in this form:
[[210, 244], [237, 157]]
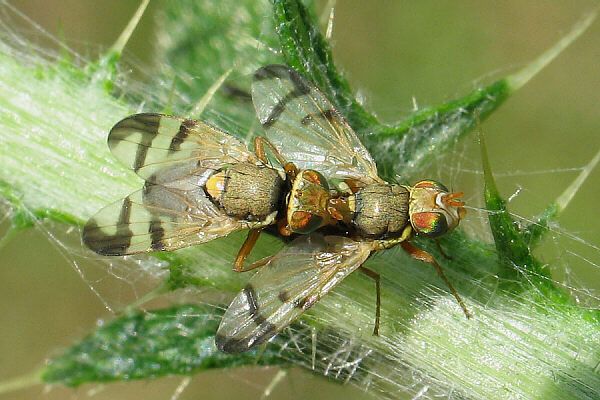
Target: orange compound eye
[[429, 224], [304, 222], [315, 177]]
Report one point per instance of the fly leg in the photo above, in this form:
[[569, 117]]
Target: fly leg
[[259, 148], [422, 255], [283, 227], [290, 170], [442, 252], [375, 276], [238, 264]]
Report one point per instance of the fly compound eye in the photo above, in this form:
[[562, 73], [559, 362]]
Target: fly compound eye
[[429, 224], [431, 184], [305, 222], [316, 178]]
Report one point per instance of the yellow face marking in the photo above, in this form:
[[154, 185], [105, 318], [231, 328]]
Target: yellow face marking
[[352, 203], [343, 187], [215, 185]]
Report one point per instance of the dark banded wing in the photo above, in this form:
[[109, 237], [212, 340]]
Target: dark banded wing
[[151, 144], [292, 281], [176, 157], [305, 127], [157, 218]]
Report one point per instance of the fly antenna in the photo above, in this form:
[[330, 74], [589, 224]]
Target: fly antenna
[[450, 199]]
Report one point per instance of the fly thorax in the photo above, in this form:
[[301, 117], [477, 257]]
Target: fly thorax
[[307, 203], [246, 190], [381, 210]]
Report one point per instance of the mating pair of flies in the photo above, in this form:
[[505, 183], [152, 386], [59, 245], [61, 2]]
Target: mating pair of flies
[[202, 183]]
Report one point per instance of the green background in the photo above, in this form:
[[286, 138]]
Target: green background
[[391, 52]]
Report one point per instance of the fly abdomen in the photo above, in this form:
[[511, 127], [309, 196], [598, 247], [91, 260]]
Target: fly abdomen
[[381, 210], [246, 190]]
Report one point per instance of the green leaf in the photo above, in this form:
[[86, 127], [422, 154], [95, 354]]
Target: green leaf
[[425, 340], [144, 345], [513, 249], [305, 50], [536, 230], [407, 147], [200, 40], [515, 244]]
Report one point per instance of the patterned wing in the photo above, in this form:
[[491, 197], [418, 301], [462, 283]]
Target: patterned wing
[[288, 285], [306, 128], [157, 218], [152, 144], [176, 157]]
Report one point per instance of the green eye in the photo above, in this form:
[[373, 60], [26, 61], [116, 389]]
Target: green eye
[[429, 224], [431, 184]]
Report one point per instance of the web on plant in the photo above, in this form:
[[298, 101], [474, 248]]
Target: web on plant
[[427, 349], [571, 269]]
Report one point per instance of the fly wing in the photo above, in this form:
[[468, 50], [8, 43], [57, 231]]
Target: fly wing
[[176, 157], [306, 128], [155, 144], [288, 285], [157, 218]]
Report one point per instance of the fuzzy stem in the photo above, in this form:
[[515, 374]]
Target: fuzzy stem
[[520, 343]]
